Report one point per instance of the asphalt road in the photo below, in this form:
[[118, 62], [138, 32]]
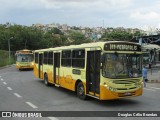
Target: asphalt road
[[21, 91]]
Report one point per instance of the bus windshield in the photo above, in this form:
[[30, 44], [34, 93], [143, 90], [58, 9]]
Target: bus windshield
[[24, 57], [121, 65]]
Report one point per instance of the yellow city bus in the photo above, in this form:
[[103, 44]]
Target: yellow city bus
[[24, 59], [102, 70]]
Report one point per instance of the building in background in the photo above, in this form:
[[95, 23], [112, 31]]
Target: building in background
[[150, 47]]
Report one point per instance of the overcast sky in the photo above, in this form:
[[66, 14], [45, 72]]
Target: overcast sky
[[90, 13]]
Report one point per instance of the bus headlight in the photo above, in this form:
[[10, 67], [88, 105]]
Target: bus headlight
[[139, 85], [111, 88], [32, 64]]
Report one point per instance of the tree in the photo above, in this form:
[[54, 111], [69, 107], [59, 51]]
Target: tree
[[77, 38], [118, 36], [22, 37], [55, 31]]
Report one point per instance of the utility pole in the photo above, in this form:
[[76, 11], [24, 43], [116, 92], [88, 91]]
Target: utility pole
[[9, 54], [103, 23], [25, 43]]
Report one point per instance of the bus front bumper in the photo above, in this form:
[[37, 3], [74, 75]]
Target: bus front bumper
[[29, 66], [110, 95]]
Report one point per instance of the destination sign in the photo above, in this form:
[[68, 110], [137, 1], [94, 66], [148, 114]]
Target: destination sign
[[122, 47]]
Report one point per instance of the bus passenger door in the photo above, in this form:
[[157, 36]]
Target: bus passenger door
[[93, 73], [40, 62], [56, 67]]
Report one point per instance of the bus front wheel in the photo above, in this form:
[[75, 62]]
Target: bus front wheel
[[81, 91]]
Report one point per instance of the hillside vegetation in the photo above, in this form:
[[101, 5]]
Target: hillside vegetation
[[4, 58]]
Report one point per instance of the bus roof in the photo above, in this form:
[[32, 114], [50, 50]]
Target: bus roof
[[25, 51], [84, 45]]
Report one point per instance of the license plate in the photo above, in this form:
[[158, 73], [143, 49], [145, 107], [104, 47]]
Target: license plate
[[127, 93]]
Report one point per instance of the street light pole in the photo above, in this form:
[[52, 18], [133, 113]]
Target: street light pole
[[25, 43], [9, 48]]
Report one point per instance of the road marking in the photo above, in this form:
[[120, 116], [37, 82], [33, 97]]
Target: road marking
[[53, 118], [4, 83], [1, 79], [32, 105], [149, 89], [16, 94], [154, 87], [9, 88]]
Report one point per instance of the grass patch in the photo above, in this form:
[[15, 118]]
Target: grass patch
[[4, 58]]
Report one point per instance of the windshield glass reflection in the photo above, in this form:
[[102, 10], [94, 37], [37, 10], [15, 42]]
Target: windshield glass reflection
[[121, 65], [24, 57]]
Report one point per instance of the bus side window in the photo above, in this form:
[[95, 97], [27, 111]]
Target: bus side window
[[78, 58], [66, 58]]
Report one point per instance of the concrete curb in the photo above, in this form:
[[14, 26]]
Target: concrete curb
[[6, 66], [153, 81]]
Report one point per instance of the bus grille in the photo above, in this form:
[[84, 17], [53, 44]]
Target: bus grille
[[126, 81], [131, 84], [126, 88]]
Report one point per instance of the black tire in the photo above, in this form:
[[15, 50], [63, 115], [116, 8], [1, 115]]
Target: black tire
[[46, 80], [81, 91]]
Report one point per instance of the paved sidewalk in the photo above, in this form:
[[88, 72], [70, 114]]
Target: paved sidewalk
[[153, 77], [7, 66]]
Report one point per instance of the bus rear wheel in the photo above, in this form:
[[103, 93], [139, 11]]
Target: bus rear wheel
[[46, 80], [81, 91]]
